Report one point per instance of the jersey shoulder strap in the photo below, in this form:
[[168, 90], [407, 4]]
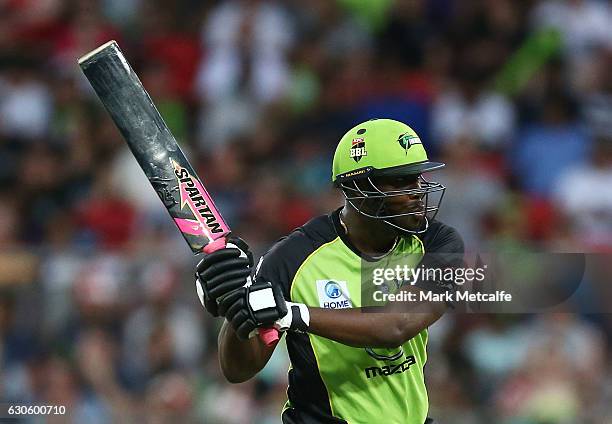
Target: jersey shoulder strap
[[285, 257], [441, 238]]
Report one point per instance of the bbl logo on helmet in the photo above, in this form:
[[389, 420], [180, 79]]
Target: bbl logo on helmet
[[407, 140], [358, 149]]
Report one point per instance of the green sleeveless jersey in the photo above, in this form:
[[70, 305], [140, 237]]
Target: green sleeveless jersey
[[330, 382]]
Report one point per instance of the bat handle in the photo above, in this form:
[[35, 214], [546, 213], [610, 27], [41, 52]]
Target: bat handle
[[215, 245], [268, 335]]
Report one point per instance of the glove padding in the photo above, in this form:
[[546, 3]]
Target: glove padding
[[221, 272], [248, 308]]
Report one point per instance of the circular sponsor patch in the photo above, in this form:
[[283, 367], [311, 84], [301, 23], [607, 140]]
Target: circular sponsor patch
[[332, 289]]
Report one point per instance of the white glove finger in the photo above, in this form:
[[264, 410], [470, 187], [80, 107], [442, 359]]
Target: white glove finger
[[199, 291]]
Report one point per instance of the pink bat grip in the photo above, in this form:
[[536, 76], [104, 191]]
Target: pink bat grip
[[269, 336]]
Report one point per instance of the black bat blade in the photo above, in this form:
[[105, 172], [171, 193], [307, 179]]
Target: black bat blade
[[154, 147]]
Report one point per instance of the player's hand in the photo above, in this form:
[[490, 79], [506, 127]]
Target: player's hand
[[222, 272], [262, 305]]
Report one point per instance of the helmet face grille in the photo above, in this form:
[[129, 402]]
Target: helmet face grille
[[370, 201]]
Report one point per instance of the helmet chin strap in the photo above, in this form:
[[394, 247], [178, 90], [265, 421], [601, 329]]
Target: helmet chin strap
[[386, 221], [399, 227]]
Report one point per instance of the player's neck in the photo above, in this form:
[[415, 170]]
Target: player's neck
[[370, 236]]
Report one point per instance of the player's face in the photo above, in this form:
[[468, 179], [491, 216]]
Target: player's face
[[413, 203], [401, 203]]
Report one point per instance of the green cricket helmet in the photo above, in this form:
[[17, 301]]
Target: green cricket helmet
[[384, 148]]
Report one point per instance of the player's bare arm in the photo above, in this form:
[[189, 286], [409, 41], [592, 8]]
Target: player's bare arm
[[241, 359], [355, 328]]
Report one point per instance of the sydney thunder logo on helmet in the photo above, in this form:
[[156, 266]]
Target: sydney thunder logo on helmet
[[358, 149], [407, 140]]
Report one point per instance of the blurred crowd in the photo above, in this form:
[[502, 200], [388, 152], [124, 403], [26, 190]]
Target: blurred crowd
[[97, 306]]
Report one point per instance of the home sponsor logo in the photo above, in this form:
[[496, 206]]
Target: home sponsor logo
[[333, 294]]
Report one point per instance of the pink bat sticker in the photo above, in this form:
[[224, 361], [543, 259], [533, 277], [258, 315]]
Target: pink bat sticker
[[208, 221], [191, 226]]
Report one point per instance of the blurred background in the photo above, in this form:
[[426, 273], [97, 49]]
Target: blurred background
[[97, 306]]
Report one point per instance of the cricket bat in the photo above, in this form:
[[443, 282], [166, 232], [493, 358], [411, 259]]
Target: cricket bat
[[157, 152]]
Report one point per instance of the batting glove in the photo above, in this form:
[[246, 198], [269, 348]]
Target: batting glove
[[262, 305], [222, 272]]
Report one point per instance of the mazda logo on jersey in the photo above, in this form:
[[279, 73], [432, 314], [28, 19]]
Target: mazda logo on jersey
[[333, 294], [390, 369]]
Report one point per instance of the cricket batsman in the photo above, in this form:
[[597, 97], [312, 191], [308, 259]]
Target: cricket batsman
[[347, 365]]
